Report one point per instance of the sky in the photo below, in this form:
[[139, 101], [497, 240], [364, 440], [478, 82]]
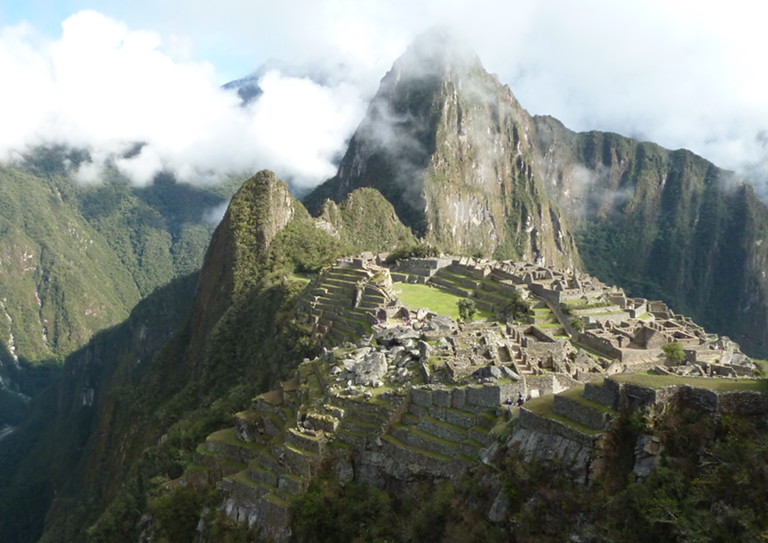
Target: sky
[[105, 75]]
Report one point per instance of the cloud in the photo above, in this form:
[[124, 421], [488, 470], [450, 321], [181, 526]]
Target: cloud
[[105, 88], [684, 74]]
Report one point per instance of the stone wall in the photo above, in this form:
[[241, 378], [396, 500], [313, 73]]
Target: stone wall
[[606, 394], [600, 345], [482, 397], [743, 402], [531, 421], [581, 413], [425, 267]]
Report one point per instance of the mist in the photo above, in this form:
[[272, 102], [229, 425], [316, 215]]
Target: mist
[[683, 74], [105, 88]]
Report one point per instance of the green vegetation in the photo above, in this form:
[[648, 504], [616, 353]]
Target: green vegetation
[[466, 308], [355, 511], [307, 248], [420, 250], [415, 296], [366, 221], [516, 308], [674, 352], [721, 385]]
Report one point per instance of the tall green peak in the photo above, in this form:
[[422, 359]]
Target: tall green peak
[[239, 248]]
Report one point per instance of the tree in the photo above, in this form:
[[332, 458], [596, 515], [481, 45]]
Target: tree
[[516, 308], [674, 352], [467, 309]]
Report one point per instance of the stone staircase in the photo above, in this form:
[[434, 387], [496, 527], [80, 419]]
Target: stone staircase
[[545, 319]]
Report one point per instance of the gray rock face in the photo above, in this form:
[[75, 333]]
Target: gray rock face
[[488, 372], [647, 451], [500, 508], [571, 454], [441, 323], [370, 369], [398, 335]]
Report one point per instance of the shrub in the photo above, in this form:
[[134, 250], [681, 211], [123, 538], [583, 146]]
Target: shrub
[[516, 308], [674, 352], [577, 324], [467, 309], [421, 250]]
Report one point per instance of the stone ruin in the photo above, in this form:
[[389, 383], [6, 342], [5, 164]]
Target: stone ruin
[[614, 333], [400, 394]]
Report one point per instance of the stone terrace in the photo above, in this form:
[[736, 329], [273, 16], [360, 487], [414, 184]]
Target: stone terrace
[[403, 393], [342, 302]]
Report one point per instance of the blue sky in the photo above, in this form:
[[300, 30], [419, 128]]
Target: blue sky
[[682, 73], [211, 42]]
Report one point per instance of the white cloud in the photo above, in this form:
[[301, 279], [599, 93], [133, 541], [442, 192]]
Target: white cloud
[[104, 87], [678, 72]]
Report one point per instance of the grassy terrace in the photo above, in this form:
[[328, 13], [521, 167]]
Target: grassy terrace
[[301, 278], [441, 302], [397, 443], [716, 384], [591, 301], [577, 394], [229, 436], [544, 407]]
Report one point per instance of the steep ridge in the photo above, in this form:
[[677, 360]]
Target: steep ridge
[[665, 224], [456, 154], [241, 338]]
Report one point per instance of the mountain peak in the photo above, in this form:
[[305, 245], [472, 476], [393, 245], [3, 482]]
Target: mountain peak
[[450, 147], [437, 52]]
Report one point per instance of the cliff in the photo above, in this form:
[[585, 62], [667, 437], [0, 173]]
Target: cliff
[[665, 224]]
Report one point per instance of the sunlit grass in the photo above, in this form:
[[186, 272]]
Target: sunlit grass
[[718, 384], [416, 296]]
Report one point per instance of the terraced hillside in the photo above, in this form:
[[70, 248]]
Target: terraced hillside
[[403, 393]]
